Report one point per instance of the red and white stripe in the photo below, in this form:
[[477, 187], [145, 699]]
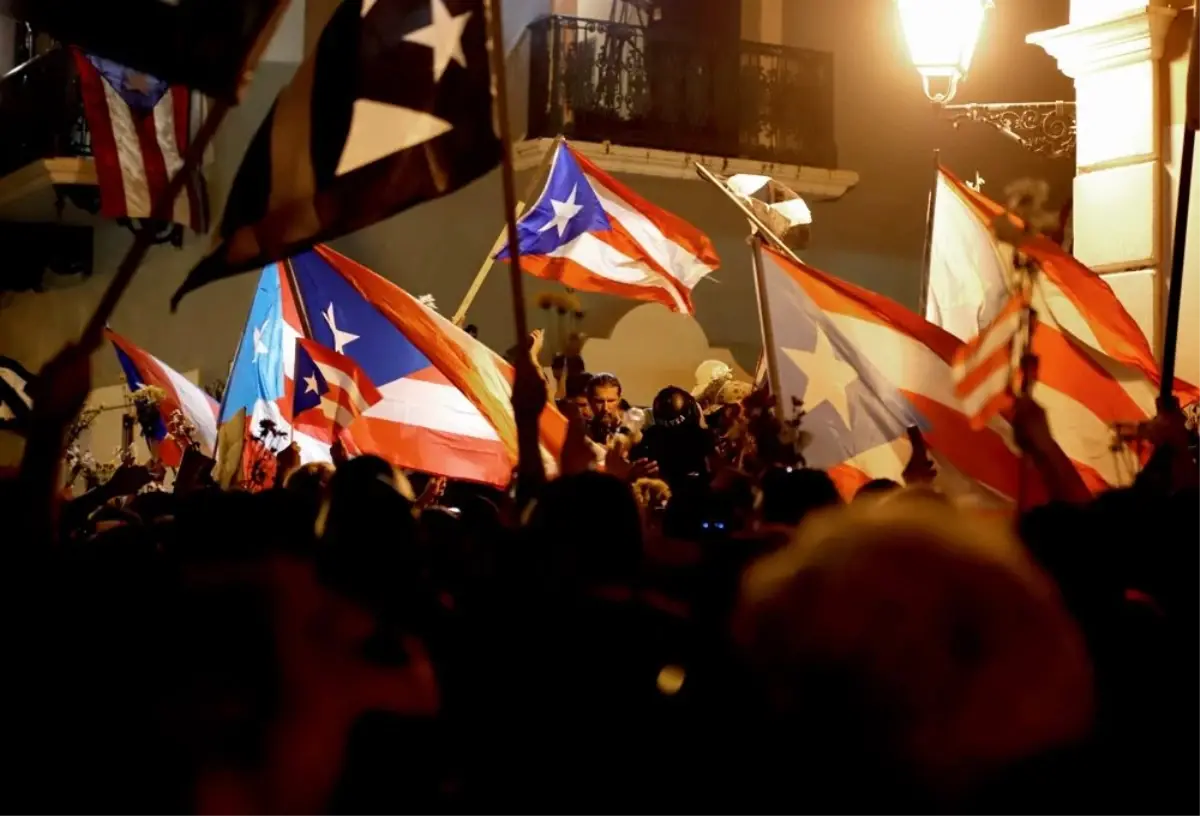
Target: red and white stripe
[[1095, 367], [454, 418], [136, 155], [984, 369], [1081, 400], [180, 394], [649, 254]]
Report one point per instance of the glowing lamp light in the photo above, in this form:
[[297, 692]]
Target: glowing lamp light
[[942, 35]]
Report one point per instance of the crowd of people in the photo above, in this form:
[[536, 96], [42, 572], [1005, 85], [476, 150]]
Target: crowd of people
[[682, 618]]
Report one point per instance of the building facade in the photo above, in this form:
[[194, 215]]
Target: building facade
[[820, 94]]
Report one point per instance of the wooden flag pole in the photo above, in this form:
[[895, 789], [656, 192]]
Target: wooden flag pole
[[927, 249], [460, 316], [536, 180], [507, 172], [160, 210]]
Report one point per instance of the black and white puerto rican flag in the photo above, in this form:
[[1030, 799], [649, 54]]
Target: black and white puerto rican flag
[[392, 108], [15, 402]]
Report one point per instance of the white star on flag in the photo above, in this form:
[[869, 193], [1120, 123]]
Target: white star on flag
[[828, 377], [340, 338], [444, 36], [260, 346], [311, 384], [564, 211]]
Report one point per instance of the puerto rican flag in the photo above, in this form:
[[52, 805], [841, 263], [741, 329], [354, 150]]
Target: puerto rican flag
[[987, 370], [590, 232], [180, 394], [1095, 366], [866, 368], [140, 128], [446, 398], [331, 391]]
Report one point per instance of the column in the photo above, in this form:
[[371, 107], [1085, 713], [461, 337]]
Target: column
[[1112, 49]]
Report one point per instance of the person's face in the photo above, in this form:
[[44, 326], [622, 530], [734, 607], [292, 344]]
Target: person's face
[[606, 400], [582, 408]]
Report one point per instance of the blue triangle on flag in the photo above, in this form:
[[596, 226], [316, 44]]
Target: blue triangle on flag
[[343, 320], [567, 208], [310, 382]]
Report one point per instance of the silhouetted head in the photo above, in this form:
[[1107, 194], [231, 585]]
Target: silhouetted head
[[790, 493], [674, 407], [876, 488]]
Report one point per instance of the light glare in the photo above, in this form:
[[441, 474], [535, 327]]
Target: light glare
[[941, 36]]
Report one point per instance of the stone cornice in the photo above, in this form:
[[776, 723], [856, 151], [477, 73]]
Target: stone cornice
[[814, 183], [1130, 38]]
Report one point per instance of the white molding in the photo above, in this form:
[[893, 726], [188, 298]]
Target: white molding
[[1130, 38], [812, 182]]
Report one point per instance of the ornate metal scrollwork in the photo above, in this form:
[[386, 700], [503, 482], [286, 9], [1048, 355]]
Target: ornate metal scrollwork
[[1045, 128]]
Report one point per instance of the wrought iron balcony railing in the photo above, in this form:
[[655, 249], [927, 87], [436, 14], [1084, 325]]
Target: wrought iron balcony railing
[[603, 81], [41, 112]]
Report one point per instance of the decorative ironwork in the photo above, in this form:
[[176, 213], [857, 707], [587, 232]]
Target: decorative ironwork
[[1046, 128], [643, 87], [42, 112]]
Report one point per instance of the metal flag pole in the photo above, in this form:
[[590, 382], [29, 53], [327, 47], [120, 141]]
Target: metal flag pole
[[768, 328], [507, 172], [1166, 395], [763, 230], [160, 210], [927, 250], [1166, 390], [759, 232]]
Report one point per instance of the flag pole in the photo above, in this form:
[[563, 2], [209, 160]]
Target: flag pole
[[758, 223], [460, 315], [507, 173], [927, 250], [1167, 400], [768, 328], [758, 232], [160, 210], [535, 181]]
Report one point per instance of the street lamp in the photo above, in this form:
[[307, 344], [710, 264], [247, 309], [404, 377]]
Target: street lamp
[[942, 35]]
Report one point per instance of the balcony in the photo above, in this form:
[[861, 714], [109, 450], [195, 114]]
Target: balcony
[[45, 145], [605, 82]]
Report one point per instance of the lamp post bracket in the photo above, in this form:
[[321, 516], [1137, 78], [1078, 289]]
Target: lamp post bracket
[[1045, 128]]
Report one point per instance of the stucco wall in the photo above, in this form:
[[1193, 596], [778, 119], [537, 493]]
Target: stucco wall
[[872, 237]]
